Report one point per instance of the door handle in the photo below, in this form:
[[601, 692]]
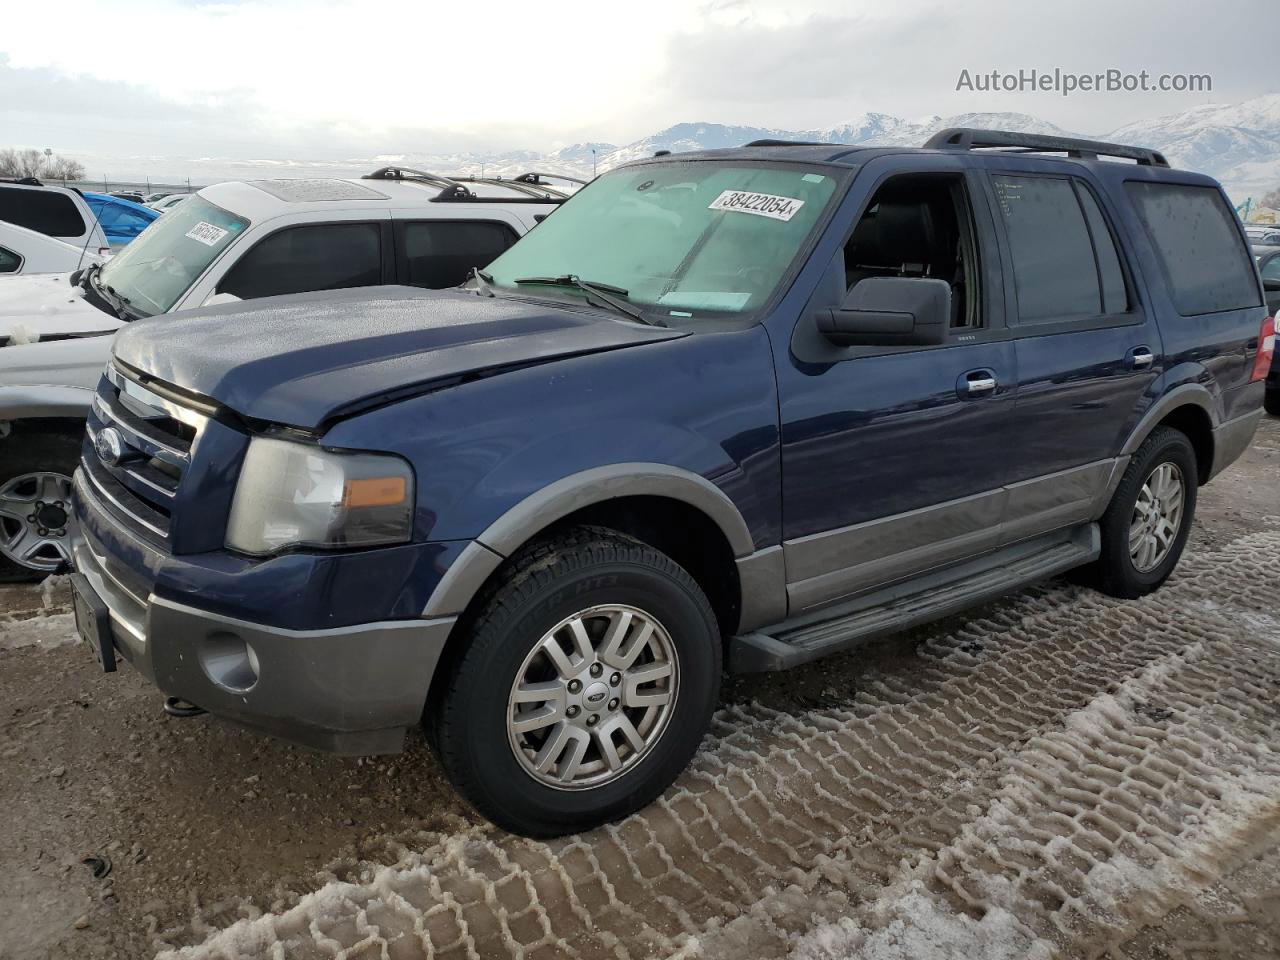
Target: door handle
[[977, 383], [1140, 358]]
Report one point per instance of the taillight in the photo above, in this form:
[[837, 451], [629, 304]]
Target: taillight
[[1266, 350]]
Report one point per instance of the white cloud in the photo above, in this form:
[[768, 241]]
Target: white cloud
[[286, 77]]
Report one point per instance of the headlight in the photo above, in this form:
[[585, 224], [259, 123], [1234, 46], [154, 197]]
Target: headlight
[[295, 495]]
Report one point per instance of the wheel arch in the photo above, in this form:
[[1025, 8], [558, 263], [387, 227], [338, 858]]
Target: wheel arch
[[673, 510], [1188, 408]]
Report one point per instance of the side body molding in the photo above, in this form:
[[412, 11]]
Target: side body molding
[[557, 500]]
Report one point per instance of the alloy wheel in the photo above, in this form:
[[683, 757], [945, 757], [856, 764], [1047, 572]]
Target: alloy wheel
[[36, 521], [593, 696], [1157, 517]]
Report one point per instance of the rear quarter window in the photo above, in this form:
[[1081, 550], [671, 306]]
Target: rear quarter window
[[45, 211], [1198, 242]]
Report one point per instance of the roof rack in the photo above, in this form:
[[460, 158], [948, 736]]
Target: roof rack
[[769, 142], [455, 188], [536, 177], [968, 138]]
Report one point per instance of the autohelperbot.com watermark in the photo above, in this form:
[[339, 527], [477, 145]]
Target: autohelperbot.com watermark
[[1067, 82]]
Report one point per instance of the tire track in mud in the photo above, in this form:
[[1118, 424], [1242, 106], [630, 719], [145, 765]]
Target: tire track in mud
[[1065, 772]]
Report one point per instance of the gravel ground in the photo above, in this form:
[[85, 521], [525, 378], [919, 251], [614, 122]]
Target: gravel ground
[[1055, 775]]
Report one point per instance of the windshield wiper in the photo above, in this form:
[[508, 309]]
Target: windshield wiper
[[603, 292], [118, 301]]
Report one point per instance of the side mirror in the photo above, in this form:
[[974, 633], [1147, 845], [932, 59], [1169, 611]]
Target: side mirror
[[890, 312]]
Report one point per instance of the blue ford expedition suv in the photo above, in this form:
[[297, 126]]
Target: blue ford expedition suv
[[731, 410]]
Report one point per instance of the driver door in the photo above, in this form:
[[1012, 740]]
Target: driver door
[[894, 459]]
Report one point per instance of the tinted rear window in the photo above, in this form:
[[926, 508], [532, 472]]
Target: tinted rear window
[[441, 253], [45, 211], [1196, 237]]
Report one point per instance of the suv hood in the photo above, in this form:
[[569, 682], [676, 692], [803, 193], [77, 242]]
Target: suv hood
[[308, 359], [47, 305]]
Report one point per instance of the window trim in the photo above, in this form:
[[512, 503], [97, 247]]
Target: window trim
[[21, 261], [1134, 316], [386, 254], [401, 249]]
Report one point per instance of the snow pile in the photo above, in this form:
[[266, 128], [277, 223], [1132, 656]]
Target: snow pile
[[921, 928]]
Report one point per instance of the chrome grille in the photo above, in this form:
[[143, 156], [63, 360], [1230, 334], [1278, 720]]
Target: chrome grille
[[139, 447]]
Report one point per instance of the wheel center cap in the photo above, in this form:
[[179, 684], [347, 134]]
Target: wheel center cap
[[54, 518], [595, 695]]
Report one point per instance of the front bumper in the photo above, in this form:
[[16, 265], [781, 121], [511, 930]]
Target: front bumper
[[351, 689]]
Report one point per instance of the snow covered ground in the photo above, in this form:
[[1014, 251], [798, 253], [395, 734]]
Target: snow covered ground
[[1056, 775]]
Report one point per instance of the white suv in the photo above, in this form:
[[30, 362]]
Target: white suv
[[58, 212], [230, 241]]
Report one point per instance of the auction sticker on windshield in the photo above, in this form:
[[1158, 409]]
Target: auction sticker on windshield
[[761, 204], [207, 233]]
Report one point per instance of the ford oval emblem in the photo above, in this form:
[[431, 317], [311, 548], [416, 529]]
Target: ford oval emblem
[[109, 445]]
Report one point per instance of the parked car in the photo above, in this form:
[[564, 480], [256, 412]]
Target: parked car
[[230, 241], [130, 195], [24, 251], [121, 220], [1268, 233], [743, 407], [1268, 258], [59, 212], [160, 195], [169, 202]]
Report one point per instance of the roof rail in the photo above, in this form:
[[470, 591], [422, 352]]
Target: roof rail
[[455, 188], [770, 142], [22, 181], [968, 138], [543, 191], [451, 189], [536, 177]]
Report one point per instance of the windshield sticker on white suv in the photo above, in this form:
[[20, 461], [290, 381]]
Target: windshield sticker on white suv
[[761, 204], [207, 233]]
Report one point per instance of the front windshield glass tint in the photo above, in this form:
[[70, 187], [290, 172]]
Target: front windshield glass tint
[[683, 239], [158, 267]]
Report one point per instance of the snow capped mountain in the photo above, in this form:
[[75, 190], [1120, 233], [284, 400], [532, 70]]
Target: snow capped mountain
[[1239, 143]]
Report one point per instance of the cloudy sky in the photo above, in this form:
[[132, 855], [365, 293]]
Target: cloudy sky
[[335, 78]]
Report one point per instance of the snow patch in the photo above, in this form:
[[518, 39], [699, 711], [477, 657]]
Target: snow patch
[[922, 928]]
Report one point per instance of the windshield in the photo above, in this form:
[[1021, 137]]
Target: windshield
[[153, 271], [679, 239]]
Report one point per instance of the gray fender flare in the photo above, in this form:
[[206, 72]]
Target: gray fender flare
[[557, 500], [1180, 396], [42, 401]]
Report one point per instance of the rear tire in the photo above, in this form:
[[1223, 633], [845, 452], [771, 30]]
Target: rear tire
[[1149, 518], [27, 459], [1271, 401], [593, 640]]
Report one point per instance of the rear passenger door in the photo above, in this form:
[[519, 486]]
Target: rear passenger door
[[441, 253], [1087, 351]]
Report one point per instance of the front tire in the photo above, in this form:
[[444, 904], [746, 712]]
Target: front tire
[[35, 504], [1271, 401], [586, 684], [1147, 523]]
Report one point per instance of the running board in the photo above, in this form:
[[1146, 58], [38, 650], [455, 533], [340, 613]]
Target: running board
[[903, 605]]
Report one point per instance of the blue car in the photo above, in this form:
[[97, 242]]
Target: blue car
[[121, 220], [736, 409]]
